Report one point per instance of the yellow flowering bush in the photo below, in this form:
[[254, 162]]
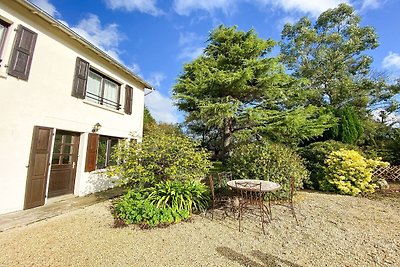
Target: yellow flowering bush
[[349, 173]]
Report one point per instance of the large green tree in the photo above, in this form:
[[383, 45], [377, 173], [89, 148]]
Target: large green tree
[[235, 86], [331, 54]]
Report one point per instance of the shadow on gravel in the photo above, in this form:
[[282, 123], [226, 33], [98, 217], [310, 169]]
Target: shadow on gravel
[[267, 260]]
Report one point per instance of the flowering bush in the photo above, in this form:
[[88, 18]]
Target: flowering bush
[[349, 173]]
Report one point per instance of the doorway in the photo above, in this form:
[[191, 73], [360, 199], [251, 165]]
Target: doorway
[[63, 163]]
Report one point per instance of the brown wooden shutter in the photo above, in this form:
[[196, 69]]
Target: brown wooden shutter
[[91, 154], [128, 99], [80, 78], [35, 192], [22, 54]]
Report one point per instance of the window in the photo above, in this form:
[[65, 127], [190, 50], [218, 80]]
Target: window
[[102, 90], [99, 151], [65, 149], [3, 32], [106, 148], [94, 86]]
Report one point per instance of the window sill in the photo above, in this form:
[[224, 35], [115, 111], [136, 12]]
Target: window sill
[[103, 107]]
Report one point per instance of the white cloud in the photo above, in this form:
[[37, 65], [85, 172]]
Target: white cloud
[[191, 46], [161, 107], [136, 69], [372, 4], [391, 61], [313, 8], [107, 38], [185, 7], [46, 6], [144, 6], [391, 119], [156, 78]]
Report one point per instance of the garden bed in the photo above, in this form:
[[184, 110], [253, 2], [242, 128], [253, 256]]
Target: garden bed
[[333, 230]]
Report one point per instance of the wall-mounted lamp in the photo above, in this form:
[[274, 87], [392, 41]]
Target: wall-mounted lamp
[[96, 128]]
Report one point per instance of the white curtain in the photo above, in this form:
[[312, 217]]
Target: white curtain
[[94, 86], [110, 92]]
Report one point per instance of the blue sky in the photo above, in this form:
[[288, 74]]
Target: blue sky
[[156, 37]]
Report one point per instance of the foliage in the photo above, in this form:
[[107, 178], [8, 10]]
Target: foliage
[[134, 208], [162, 156], [382, 141], [330, 54], [349, 129], [149, 123], [190, 195], [349, 173], [315, 155], [164, 203], [234, 86], [268, 161]]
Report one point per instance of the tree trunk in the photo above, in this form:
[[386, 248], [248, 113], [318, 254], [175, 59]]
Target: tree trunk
[[227, 139]]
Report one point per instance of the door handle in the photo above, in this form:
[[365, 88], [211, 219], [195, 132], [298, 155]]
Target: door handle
[[73, 165]]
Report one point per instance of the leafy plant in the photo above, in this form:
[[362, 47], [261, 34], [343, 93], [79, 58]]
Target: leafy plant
[[315, 155], [163, 155], [349, 173], [134, 208], [164, 203], [268, 161], [190, 195]]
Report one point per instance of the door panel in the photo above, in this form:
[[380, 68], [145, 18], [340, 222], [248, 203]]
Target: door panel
[[63, 164], [38, 167]]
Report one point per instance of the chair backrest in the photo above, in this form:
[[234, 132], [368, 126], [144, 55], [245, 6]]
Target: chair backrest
[[223, 178], [249, 192]]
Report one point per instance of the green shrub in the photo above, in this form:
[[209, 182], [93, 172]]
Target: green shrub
[[349, 173], [160, 157], [266, 161], [315, 155], [163, 204], [190, 195]]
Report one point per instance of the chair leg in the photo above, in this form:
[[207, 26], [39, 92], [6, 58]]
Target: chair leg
[[293, 212], [240, 216], [262, 216]]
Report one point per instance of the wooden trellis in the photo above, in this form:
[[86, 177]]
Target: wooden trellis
[[390, 173]]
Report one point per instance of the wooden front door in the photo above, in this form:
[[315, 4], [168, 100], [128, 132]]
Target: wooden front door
[[63, 163], [35, 192]]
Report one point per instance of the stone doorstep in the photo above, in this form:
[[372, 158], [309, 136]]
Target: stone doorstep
[[54, 207]]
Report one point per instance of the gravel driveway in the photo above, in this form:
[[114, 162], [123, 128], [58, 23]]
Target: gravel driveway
[[333, 230]]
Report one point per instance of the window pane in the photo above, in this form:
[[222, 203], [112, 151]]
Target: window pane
[[55, 159], [57, 148], [114, 146], [66, 159], [58, 137], [93, 90], [67, 149], [110, 93], [101, 152], [68, 139]]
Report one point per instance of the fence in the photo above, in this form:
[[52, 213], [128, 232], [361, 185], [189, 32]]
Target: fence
[[390, 173]]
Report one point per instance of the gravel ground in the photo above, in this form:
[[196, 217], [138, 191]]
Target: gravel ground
[[333, 230]]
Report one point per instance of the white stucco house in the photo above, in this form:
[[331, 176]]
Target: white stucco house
[[65, 103]]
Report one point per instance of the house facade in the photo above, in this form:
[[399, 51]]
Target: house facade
[[65, 104]]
